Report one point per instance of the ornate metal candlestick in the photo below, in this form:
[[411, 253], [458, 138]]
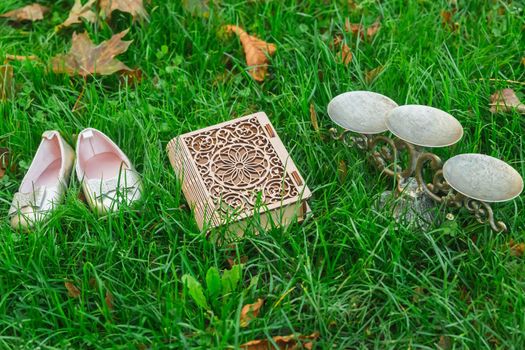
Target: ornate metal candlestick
[[416, 128], [471, 181]]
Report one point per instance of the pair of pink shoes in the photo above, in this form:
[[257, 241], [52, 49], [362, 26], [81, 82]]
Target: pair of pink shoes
[[107, 176]]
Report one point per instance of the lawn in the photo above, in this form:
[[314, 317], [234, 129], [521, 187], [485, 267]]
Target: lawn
[[350, 272]]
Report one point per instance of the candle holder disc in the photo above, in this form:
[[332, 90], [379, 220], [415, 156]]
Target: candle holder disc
[[483, 178], [424, 126], [362, 112]]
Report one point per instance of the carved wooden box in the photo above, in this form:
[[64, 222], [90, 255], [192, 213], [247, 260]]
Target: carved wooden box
[[236, 169]]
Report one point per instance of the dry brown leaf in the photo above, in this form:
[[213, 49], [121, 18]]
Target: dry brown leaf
[[372, 74], [86, 58], [346, 54], [250, 312], [72, 290], [447, 20], [132, 77], [360, 30], [313, 117], [255, 50], [523, 61], [9, 57], [373, 29], [79, 12], [233, 261], [4, 161], [352, 5], [338, 39], [7, 86], [516, 249], [109, 300], [33, 12], [133, 7], [354, 28], [506, 101], [418, 293], [444, 342], [283, 342]]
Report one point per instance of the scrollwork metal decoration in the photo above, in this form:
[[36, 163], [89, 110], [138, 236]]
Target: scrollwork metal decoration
[[441, 192]]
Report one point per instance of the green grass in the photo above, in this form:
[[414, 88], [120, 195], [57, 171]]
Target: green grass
[[350, 272]]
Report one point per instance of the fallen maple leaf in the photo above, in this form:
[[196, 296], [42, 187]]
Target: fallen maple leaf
[[72, 290], [79, 12], [313, 117], [33, 12], [250, 312], [6, 82], [4, 161], [505, 101], [283, 342], [86, 58], [133, 7], [255, 50], [516, 249]]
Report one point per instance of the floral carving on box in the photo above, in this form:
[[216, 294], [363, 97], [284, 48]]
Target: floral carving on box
[[240, 167]]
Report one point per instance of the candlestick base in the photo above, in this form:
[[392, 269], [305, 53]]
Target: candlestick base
[[412, 206]]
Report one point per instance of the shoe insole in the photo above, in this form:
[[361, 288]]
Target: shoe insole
[[103, 166], [49, 177]]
